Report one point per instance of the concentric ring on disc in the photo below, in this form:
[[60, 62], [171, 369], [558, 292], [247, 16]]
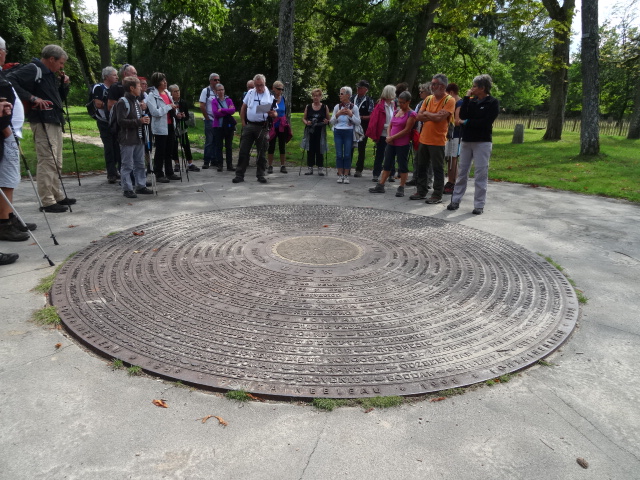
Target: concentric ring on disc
[[316, 301]]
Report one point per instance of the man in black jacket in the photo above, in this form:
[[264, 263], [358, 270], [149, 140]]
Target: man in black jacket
[[43, 85], [365, 106]]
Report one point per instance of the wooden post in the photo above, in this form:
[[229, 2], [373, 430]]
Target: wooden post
[[518, 133]]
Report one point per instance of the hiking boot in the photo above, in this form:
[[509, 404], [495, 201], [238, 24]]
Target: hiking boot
[[129, 194], [374, 179], [262, 180], [13, 220], [432, 200], [193, 168], [67, 201], [283, 169], [237, 179], [357, 174], [418, 196], [270, 169], [320, 172], [377, 189], [391, 179], [345, 179], [205, 166], [453, 206], [7, 258], [10, 233], [144, 191], [477, 211], [176, 167], [173, 177], [231, 168], [400, 191], [112, 179], [162, 180], [340, 178], [411, 183], [55, 208], [448, 188], [309, 171]]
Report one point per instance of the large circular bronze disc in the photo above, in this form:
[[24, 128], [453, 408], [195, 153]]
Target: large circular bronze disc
[[316, 301]]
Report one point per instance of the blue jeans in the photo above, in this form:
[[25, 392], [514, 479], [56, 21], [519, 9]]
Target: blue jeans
[[343, 139], [210, 157]]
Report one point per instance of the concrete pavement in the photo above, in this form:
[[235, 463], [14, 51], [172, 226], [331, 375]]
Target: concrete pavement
[[65, 414]]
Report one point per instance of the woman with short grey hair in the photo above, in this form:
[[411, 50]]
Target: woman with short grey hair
[[477, 114], [344, 119]]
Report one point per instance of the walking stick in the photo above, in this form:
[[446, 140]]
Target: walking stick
[[55, 161], [73, 143], [25, 226], [35, 190], [183, 159], [147, 141]]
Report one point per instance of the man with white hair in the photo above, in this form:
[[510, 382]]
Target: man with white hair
[[44, 86], [209, 93], [255, 115]]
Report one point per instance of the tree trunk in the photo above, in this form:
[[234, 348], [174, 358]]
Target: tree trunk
[[634, 125], [562, 18], [393, 57], [81, 52], [424, 23], [285, 49], [132, 30], [103, 32], [58, 16], [590, 128]]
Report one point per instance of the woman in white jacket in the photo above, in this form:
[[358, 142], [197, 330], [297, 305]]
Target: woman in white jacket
[[162, 110]]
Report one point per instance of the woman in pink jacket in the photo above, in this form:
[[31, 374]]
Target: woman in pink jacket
[[224, 126]]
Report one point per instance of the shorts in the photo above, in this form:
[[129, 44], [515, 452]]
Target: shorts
[[10, 164], [451, 148]]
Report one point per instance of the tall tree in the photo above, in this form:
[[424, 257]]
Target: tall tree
[[285, 48], [561, 18], [103, 32], [589, 127], [78, 43]]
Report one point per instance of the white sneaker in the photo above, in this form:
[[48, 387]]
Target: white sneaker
[[340, 178], [346, 179]]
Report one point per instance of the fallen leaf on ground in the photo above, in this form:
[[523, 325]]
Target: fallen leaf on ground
[[58, 345], [71, 226], [582, 462], [204, 419], [160, 403], [221, 421], [438, 399], [139, 234], [253, 397], [369, 410], [325, 226]]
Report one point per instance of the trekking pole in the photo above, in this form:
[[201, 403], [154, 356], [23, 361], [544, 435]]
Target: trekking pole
[[73, 143], [147, 154], [184, 158], [33, 184], [55, 161], [25, 226], [301, 161]]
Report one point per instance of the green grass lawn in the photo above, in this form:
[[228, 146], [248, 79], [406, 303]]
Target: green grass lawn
[[615, 173]]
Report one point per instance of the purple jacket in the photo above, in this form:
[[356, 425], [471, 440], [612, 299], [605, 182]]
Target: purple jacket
[[220, 113]]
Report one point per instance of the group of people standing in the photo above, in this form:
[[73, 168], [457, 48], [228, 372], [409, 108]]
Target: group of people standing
[[442, 125], [134, 119]]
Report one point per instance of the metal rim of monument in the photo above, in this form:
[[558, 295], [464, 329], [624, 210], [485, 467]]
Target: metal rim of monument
[[316, 301]]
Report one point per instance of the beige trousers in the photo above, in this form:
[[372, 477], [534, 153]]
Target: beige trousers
[[47, 174]]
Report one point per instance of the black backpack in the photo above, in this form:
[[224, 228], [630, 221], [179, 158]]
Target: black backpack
[[114, 128]]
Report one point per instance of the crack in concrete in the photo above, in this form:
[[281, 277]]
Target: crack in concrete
[[324, 426]]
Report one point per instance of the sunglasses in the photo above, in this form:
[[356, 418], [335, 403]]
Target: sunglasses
[[278, 88]]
